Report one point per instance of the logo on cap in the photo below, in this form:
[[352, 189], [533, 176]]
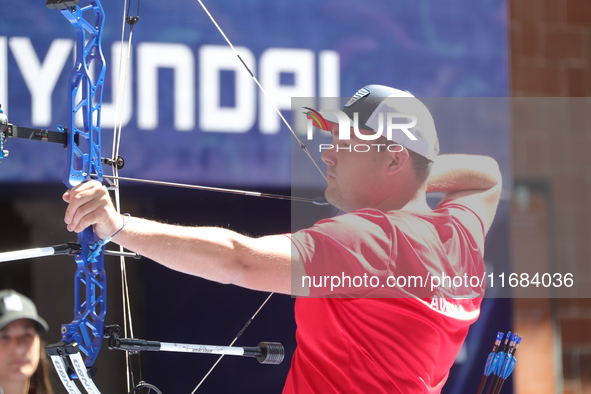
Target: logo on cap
[[13, 303], [360, 93]]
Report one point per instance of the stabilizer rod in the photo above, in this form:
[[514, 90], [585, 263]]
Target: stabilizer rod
[[265, 352]]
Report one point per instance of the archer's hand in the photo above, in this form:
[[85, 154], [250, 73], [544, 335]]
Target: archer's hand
[[91, 205]]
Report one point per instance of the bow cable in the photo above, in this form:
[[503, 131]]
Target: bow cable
[[317, 201], [233, 341]]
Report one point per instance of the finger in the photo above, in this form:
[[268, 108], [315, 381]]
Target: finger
[[87, 186], [68, 193], [81, 195], [93, 211], [77, 199], [75, 217], [91, 218], [81, 189]]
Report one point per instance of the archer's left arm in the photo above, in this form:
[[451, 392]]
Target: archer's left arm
[[212, 253]]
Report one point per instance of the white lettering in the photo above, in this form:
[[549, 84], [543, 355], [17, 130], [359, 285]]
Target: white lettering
[[443, 305], [212, 115], [285, 73], [121, 79], [274, 63], [151, 57], [40, 78]]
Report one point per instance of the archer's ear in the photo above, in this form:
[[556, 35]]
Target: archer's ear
[[399, 158]]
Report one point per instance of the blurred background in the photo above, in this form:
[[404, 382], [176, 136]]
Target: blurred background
[[517, 74]]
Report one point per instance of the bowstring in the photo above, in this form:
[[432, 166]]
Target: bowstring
[[121, 87]]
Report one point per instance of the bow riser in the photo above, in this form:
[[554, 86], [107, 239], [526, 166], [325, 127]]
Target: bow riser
[[84, 146], [90, 300], [84, 163]]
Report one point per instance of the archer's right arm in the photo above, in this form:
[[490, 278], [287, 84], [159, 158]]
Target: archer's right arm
[[471, 180]]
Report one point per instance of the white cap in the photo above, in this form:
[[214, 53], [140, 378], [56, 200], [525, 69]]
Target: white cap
[[375, 105]]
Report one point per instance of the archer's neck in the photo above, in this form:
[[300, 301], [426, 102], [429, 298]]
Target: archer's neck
[[406, 200]]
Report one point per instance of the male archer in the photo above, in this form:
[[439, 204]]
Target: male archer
[[380, 337]]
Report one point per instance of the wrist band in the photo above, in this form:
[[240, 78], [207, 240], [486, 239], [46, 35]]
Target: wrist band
[[94, 250], [125, 221]]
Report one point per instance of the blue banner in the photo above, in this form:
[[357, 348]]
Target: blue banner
[[191, 113]]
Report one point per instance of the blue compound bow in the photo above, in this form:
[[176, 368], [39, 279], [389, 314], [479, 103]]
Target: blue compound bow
[[84, 335]]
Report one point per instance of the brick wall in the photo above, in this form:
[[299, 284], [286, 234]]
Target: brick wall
[[550, 56]]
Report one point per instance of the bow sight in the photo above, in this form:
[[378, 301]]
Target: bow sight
[[9, 130]]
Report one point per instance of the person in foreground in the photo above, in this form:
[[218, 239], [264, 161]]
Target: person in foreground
[[23, 363], [354, 335]]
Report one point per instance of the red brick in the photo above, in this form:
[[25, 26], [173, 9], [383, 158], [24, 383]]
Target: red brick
[[557, 154], [575, 304], [542, 80], [581, 235], [578, 12], [578, 112], [580, 160], [575, 332], [554, 116], [516, 77], [532, 42], [514, 13], [567, 190], [577, 82], [554, 12], [515, 44], [570, 365], [528, 117], [565, 44], [526, 12], [537, 153], [585, 366]]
